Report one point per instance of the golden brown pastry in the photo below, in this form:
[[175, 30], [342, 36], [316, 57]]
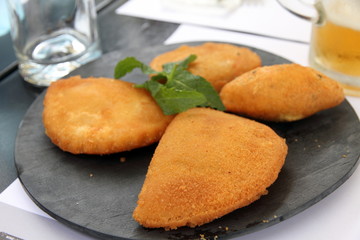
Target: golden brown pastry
[[207, 164], [285, 92], [101, 116], [218, 63]]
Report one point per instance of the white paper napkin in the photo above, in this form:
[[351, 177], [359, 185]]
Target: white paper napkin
[[264, 17]]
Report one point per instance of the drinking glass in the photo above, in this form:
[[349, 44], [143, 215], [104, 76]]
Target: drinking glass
[[53, 37], [335, 40]]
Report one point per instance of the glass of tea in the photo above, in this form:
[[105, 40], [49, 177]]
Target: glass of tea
[[335, 40]]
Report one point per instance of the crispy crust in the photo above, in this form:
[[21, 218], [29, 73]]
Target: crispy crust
[[218, 63], [285, 92], [101, 116], [207, 164]]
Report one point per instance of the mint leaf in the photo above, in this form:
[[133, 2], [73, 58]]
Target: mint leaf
[[178, 66], [172, 100], [174, 89], [185, 78], [128, 64]]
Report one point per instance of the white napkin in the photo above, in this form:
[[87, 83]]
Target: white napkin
[[264, 17]]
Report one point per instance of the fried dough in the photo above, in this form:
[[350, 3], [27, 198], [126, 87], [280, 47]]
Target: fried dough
[[287, 92], [101, 116], [218, 63], [207, 164]]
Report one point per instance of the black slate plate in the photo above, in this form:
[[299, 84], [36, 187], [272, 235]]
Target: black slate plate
[[97, 194]]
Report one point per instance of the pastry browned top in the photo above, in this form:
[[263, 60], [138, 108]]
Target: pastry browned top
[[218, 63], [101, 116], [286, 92], [207, 164]]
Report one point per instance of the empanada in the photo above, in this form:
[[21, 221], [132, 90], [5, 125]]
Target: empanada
[[218, 63], [207, 164], [101, 116], [285, 92]]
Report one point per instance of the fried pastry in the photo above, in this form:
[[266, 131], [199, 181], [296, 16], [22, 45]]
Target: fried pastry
[[101, 116], [287, 92], [218, 63], [207, 164]]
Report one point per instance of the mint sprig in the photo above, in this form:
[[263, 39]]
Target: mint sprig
[[174, 89]]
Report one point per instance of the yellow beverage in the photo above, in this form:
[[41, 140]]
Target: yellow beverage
[[337, 48]]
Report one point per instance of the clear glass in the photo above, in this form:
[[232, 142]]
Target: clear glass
[[335, 41], [51, 37]]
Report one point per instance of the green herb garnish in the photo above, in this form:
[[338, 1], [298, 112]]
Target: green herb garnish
[[174, 89]]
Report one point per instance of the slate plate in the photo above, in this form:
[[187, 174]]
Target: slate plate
[[97, 194]]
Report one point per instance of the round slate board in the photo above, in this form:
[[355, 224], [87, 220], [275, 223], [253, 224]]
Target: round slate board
[[97, 194]]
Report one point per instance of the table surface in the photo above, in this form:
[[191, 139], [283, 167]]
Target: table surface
[[117, 32]]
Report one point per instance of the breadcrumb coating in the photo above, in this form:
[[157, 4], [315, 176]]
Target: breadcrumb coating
[[281, 93], [207, 164], [101, 116], [218, 63]]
